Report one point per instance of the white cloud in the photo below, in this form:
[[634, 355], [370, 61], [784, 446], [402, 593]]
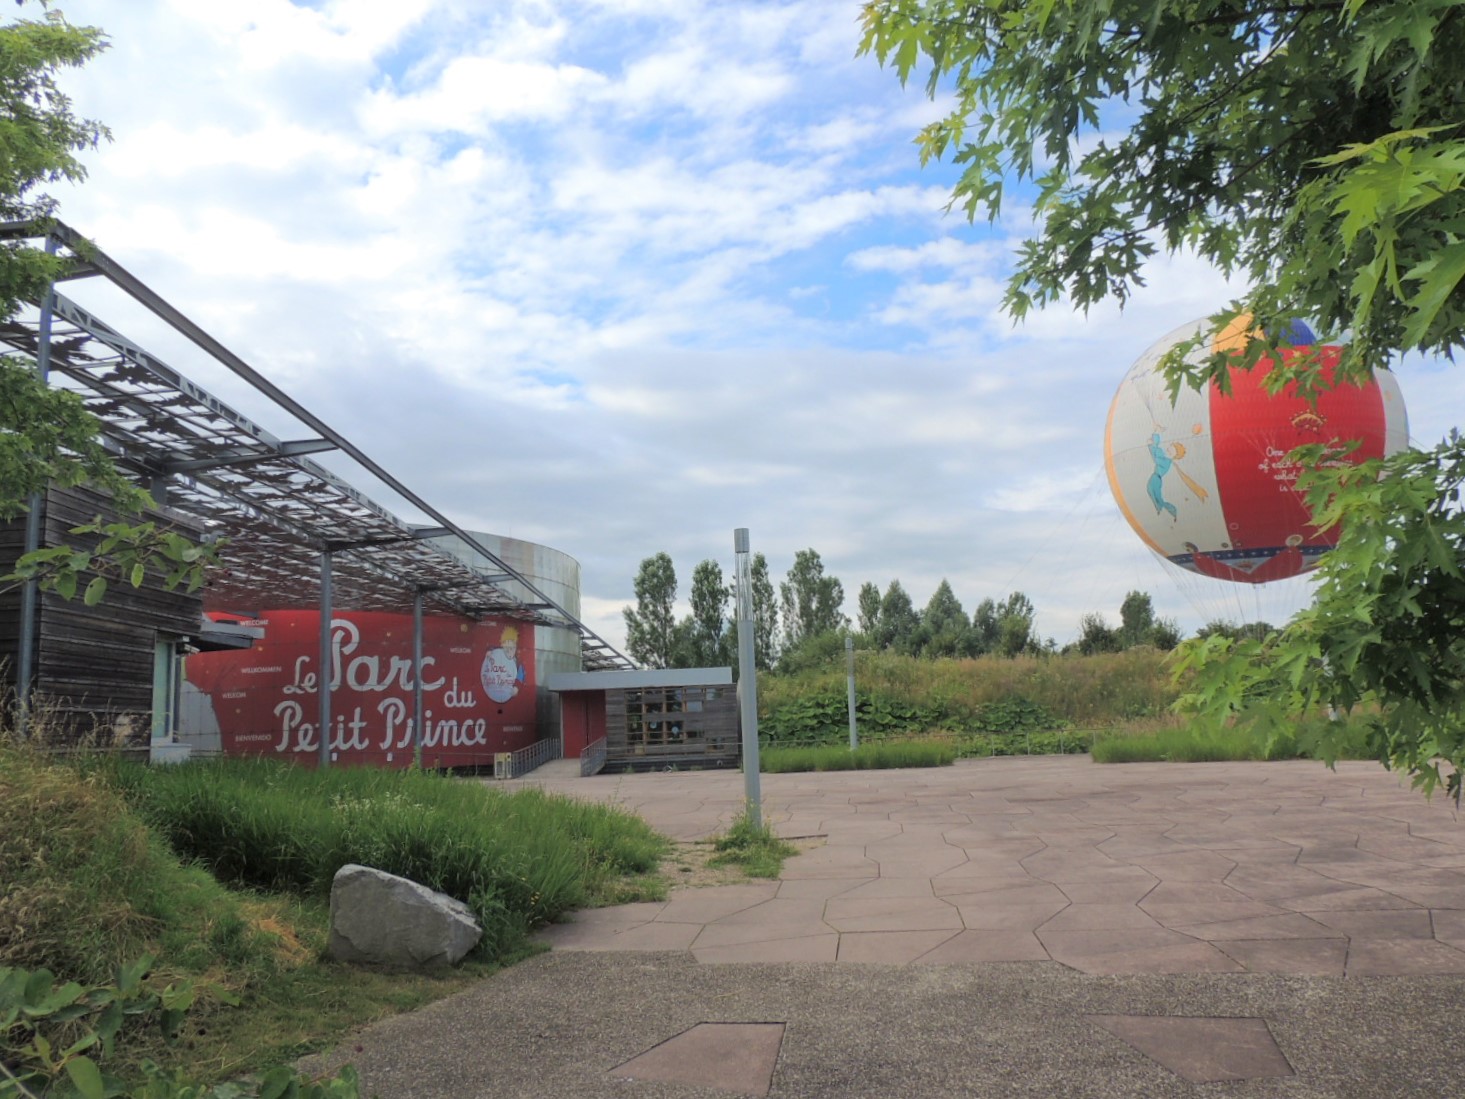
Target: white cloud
[[472, 94], [620, 277]]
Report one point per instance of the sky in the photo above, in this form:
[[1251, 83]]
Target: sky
[[620, 277]]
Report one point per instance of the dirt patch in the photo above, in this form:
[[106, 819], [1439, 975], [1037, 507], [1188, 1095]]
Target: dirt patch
[[686, 867]]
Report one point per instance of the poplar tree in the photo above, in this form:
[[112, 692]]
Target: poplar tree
[[811, 601], [868, 602], [944, 625], [651, 627], [898, 619]]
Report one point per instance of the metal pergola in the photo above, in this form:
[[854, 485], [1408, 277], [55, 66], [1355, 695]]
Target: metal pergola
[[297, 533]]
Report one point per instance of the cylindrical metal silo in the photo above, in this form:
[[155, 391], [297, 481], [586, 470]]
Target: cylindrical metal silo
[[557, 575]]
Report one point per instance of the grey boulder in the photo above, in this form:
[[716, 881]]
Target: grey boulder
[[381, 919]]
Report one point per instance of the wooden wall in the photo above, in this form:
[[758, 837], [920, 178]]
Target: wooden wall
[[12, 544], [653, 727], [94, 665]]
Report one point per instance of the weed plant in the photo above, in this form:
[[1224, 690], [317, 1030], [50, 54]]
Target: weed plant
[[877, 756], [753, 847], [88, 886], [517, 860]]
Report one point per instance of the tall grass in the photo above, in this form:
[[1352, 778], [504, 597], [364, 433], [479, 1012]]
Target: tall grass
[[517, 860], [85, 886], [867, 757], [1315, 738]]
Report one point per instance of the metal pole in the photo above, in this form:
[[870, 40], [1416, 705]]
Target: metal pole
[[747, 680], [25, 657], [849, 652], [417, 679], [323, 691]]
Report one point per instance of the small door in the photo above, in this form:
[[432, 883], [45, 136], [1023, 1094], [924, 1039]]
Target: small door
[[165, 689]]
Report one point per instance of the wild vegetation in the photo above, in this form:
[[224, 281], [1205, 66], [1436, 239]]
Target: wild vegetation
[[518, 860], [219, 876], [901, 695], [1118, 705]]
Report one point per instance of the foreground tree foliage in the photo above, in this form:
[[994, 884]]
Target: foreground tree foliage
[[46, 435], [1386, 632], [1315, 148]]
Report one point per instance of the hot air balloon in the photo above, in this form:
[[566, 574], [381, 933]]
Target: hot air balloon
[[1206, 480]]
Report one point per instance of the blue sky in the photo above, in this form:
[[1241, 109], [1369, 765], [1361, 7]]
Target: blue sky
[[621, 277]]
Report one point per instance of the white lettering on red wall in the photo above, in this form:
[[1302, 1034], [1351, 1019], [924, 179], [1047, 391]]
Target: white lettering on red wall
[[477, 689]]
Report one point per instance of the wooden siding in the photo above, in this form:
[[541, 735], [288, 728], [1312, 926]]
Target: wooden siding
[[12, 544], [94, 665], [660, 726]]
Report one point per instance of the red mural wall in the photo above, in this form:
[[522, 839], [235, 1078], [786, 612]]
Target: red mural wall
[[478, 693]]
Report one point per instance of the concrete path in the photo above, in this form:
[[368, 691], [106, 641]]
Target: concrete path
[[1284, 868], [1005, 928]]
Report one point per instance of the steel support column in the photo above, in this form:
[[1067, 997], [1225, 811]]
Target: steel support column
[[323, 689], [417, 678]]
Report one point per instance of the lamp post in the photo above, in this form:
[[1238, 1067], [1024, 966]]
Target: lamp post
[[747, 679]]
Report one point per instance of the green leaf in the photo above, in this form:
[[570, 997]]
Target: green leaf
[[38, 986], [66, 585], [1438, 277], [86, 1077], [278, 1083], [95, 589], [85, 1042], [107, 1025], [130, 976], [138, 572]]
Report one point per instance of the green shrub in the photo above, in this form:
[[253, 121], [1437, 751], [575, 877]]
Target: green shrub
[[824, 720], [517, 860]]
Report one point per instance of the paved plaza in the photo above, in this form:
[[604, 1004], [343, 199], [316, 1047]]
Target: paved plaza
[[1042, 927], [1138, 868]]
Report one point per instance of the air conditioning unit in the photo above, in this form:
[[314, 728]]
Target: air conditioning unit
[[503, 765]]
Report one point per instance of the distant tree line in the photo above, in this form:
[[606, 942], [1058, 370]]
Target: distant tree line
[[803, 623], [807, 606], [1137, 626], [999, 627]]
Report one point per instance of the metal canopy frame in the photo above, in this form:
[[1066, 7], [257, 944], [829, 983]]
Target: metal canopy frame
[[298, 533]]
